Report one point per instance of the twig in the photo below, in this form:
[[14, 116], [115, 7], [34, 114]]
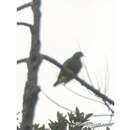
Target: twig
[[102, 115], [106, 78], [26, 25], [65, 108], [91, 99], [24, 6], [109, 108], [22, 60], [89, 78], [99, 88], [86, 85], [88, 73]]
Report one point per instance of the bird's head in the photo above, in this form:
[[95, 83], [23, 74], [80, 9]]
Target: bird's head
[[78, 54]]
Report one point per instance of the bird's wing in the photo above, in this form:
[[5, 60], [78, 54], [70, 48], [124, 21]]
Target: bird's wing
[[63, 75], [69, 63], [73, 64]]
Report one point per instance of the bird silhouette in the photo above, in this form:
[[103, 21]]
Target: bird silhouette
[[74, 64]]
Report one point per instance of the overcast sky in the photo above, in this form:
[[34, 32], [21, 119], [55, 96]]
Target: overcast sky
[[66, 25]]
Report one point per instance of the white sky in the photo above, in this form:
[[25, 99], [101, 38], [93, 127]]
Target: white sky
[[65, 25]]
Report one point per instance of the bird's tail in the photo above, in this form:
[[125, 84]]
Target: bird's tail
[[56, 83]]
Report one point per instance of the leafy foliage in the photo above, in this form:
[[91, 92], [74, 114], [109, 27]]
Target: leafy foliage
[[77, 118], [62, 122]]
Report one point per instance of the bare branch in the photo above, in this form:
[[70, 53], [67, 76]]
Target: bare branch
[[109, 108], [91, 99], [24, 6], [65, 108], [86, 85], [22, 60], [26, 25]]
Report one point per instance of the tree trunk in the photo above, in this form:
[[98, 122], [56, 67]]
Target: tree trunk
[[31, 88]]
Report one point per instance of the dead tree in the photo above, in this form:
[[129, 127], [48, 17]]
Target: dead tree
[[33, 62]]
